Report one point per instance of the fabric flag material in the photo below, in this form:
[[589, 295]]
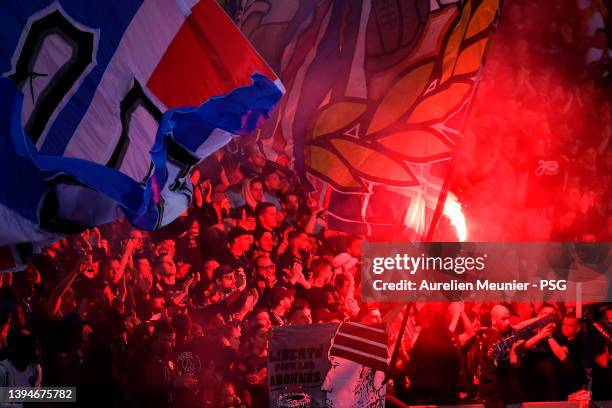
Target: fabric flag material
[[327, 365], [361, 343], [377, 92], [97, 115]]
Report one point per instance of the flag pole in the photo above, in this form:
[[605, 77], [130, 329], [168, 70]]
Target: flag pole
[[400, 336]]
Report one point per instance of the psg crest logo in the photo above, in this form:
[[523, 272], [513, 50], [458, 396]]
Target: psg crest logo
[[189, 363]]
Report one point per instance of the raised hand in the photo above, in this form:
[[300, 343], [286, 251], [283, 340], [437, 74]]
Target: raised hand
[[548, 330], [242, 222], [206, 190], [286, 235], [95, 237], [313, 206], [296, 270]]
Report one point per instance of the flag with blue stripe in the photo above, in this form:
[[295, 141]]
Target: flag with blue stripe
[[102, 110]]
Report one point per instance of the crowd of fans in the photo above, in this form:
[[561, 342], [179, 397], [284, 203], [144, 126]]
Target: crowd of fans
[[182, 316], [158, 320]]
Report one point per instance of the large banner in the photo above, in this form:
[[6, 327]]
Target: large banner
[[328, 365], [377, 92], [100, 110]]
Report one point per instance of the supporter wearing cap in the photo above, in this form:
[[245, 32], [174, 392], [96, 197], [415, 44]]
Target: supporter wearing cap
[[237, 233], [280, 299], [239, 241], [226, 298], [345, 263]]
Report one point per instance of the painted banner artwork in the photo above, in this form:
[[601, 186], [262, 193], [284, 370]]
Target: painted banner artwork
[[377, 92], [328, 365], [103, 110]]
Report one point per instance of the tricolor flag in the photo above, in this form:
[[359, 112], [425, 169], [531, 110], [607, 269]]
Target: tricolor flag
[[105, 106], [363, 344]]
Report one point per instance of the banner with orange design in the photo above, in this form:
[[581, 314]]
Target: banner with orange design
[[377, 93]]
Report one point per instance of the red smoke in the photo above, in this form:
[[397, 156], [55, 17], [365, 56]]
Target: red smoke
[[534, 164]]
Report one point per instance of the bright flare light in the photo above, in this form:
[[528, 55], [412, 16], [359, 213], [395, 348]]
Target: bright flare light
[[452, 209]]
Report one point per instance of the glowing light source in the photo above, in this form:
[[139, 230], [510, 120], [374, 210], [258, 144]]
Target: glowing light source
[[414, 219], [452, 209]]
